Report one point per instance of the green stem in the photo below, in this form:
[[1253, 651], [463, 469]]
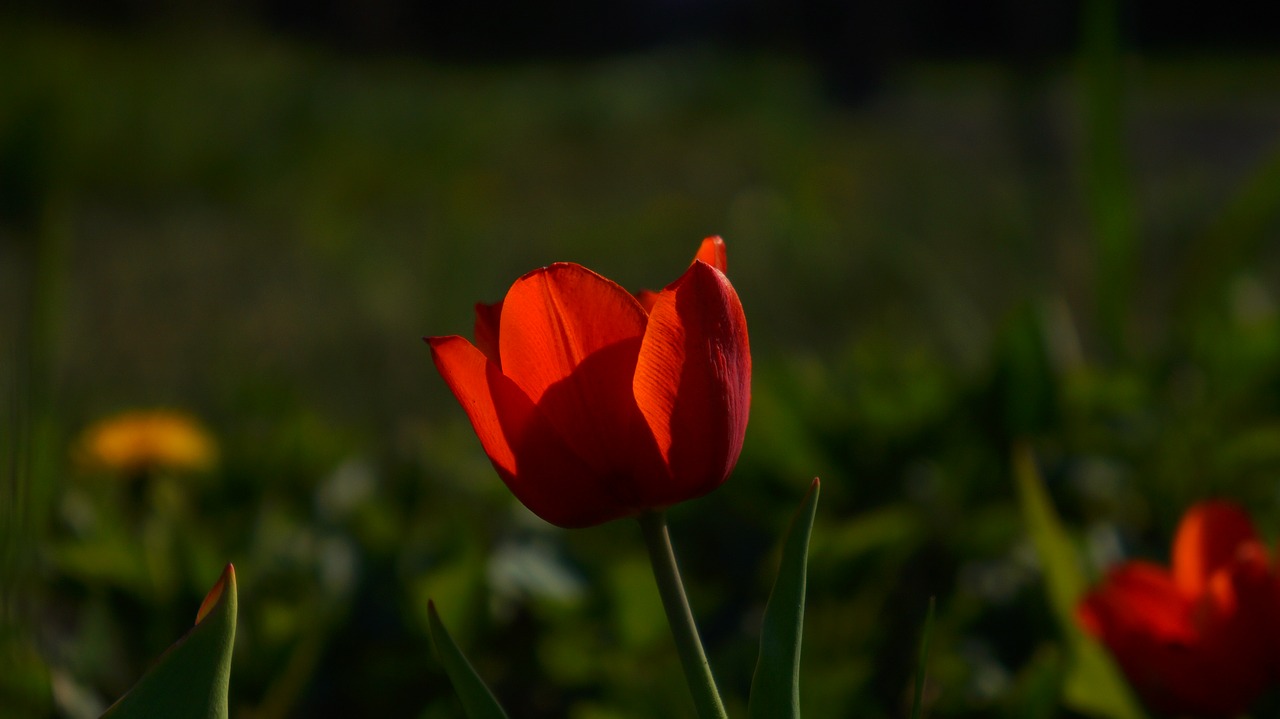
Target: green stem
[[697, 671]]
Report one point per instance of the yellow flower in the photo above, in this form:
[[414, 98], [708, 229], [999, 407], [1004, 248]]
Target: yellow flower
[[148, 439]]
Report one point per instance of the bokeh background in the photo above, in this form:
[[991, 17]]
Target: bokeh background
[[955, 228]]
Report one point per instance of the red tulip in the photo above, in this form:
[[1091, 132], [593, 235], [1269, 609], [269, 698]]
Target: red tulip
[[594, 404], [1200, 640]]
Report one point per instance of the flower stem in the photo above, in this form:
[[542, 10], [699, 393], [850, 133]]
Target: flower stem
[[697, 671]]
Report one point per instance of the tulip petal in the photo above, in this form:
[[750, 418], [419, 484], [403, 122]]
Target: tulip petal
[[1238, 614], [647, 298], [1208, 656], [693, 379], [570, 339], [1137, 598], [1239, 585], [472, 379], [1208, 539], [1140, 615], [712, 252], [532, 459], [556, 317]]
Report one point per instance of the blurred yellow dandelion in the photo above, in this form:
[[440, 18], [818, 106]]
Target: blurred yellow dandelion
[[148, 439]]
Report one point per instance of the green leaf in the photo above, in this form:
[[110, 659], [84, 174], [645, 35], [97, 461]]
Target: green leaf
[[191, 678], [1093, 685], [775, 689], [922, 661], [477, 701]]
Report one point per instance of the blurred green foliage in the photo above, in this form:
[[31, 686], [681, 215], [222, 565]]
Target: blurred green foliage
[[259, 232]]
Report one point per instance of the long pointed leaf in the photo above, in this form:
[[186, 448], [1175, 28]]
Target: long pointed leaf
[[775, 689], [477, 701], [190, 680], [1093, 685]]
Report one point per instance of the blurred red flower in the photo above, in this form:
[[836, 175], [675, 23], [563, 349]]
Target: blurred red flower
[[594, 404], [1201, 640]]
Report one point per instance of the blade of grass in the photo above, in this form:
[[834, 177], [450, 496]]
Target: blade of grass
[[30, 445], [477, 701], [922, 660], [1106, 170], [1093, 684], [775, 689]]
